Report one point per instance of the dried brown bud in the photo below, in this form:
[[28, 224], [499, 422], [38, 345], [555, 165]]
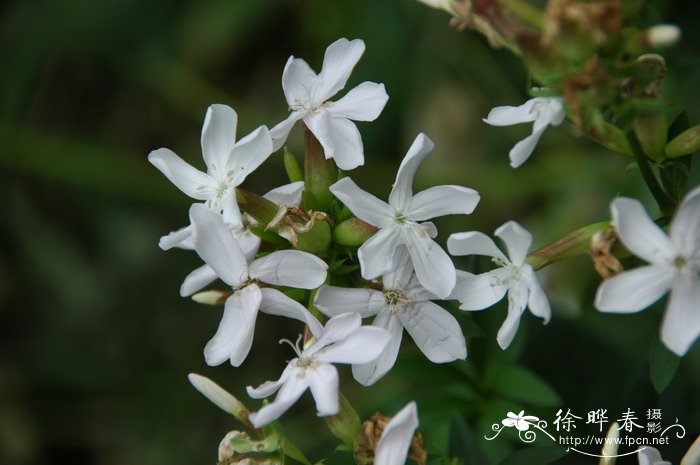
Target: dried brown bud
[[605, 262], [371, 432]]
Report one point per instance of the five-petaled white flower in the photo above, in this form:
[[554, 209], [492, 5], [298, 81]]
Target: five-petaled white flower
[[228, 163], [520, 421], [287, 195], [307, 95], [674, 263], [404, 303], [514, 276], [215, 244], [395, 441], [343, 340], [544, 111], [398, 222]]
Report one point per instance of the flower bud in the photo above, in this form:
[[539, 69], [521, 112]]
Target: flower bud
[[686, 142], [220, 397], [316, 240], [574, 243], [663, 35], [212, 297], [353, 232], [319, 174]]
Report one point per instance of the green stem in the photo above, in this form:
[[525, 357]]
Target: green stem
[[664, 201]]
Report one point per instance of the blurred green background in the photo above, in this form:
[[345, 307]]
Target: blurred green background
[[96, 342]]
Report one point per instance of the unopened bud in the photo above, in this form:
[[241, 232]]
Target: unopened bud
[[686, 142], [220, 397], [353, 232], [609, 452], [212, 297], [663, 35]]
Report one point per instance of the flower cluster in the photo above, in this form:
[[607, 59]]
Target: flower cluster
[[285, 253]]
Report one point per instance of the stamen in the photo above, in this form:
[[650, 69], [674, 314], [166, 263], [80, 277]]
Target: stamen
[[296, 347]]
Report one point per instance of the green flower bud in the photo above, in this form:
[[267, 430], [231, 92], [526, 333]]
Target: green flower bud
[[319, 173], [292, 167], [686, 142], [353, 232], [316, 240]]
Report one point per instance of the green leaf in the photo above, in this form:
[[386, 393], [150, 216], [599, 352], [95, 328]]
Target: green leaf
[[535, 456], [463, 445], [662, 366], [521, 385], [292, 167], [293, 452]]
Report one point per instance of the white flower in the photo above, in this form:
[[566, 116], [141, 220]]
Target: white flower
[[514, 276], [395, 440], [343, 340], [398, 222], [403, 303], [287, 195], [228, 163], [307, 95], [544, 111], [674, 263], [216, 245]]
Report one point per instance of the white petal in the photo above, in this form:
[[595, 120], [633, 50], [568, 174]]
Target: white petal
[[436, 333], [376, 255], [369, 373], [639, 233], [234, 336], [248, 242], [395, 440], [443, 200], [293, 387], [292, 268], [508, 115], [268, 388], [336, 329], [473, 243], [363, 103], [275, 302], [332, 301], [179, 238], [363, 345], [650, 456], [523, 149], [230, 211], [537, 301], [184, 176], [340, 58], [249, 153], [692, 457], [401, 193], [685, 227], [297, 79], [289, 194], [323, 381], [218, 135], [197, 280], [681, 325], [401, 271], [339, 138], [517, 240], [634, 290], [517, 301], [280, 132], [362, 204], [216, 245], [477, 292], [433, 266]]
